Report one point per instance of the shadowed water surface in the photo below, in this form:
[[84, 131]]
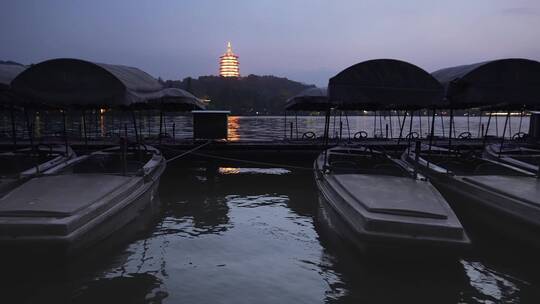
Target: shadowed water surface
[[259, 235]]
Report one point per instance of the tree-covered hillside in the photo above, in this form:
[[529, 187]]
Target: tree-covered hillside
[[248, 95]]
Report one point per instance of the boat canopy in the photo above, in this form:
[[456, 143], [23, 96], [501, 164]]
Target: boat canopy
[[312, 99], [173, 99], [505, 84], [78, 83], [384, 84], [8, 72]]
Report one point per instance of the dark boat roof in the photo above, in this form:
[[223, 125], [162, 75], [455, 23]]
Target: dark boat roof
[[173, 99], [312, 99], [384, 84], [74, 82], [511, 83], [8, 72]]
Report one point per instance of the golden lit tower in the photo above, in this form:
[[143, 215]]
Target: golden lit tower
[[228, 64]]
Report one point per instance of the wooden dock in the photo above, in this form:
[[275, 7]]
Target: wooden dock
[[277, 151]]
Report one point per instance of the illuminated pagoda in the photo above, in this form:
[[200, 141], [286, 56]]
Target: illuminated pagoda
[[228, 63]]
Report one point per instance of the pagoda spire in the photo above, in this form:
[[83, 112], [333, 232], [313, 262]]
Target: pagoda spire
[[228, 63]]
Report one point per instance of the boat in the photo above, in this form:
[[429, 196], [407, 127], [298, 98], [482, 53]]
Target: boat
[[520, 155], [386, 205], [69, 208], [500, 196], [20, 165]]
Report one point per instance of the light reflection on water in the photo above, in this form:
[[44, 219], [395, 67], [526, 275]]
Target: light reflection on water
[[255, 235]]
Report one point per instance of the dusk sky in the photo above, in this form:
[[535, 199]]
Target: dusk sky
[[307, 41]]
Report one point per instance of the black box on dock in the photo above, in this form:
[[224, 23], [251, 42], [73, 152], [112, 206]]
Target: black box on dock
[[210, 124]]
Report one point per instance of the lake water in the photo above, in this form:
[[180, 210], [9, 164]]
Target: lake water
[[263, 128], [258, 235]]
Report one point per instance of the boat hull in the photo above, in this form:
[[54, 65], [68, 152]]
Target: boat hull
[[355, 228], [125, 207], [485, 211]]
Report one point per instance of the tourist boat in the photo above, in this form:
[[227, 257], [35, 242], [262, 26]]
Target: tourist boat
[[20, 165], [71, 207], [386, 205], [523, 156], [500, 196]]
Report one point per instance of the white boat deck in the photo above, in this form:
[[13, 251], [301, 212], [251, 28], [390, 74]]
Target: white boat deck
[[523, 188], [39, 196], [394, 195]]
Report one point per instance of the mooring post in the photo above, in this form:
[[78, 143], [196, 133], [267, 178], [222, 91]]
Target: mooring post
[[340, 129], [387, 131]]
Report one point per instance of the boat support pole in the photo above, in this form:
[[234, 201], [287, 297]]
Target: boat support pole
[[85, 134], [496, 125], [450, 130], [334, 133], [416, 157], [348, 127], [401, 127], [29, 129], [136, 133], [410, 131], [284, 126], [420, 117], [431, 135], [13, 128], [442, 124], [380, 125], [296, 122], [520, 121], [398, 118], [487, 130], [326, 135], [374, 123], [479, 125], [65, 130], [469, 121], [504, 133], [391, 128], [160, 124], [31, 136]]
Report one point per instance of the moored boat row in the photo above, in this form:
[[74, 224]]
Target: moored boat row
[[388, 198]]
